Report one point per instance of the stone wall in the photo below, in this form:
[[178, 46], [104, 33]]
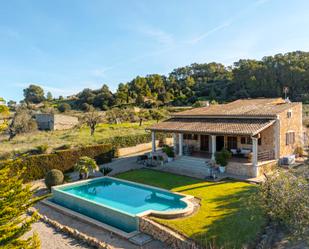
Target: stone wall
[[290, 124], [240, 169], [64, 122], [267, 139], [267, 167], [166, 235], [140, 148]]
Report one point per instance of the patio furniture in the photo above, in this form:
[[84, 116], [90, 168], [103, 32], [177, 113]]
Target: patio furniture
[[241, 152]]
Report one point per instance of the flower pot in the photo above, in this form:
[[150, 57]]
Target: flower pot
[[170, 159], [222, 169]]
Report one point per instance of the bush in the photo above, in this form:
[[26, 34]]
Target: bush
[[284, 198], [168, 151], [106, 170], [36, 166], [64, 147], [222, 157], [299, 151], [41, 149], [132, 140], [53, 177], [64, 107]]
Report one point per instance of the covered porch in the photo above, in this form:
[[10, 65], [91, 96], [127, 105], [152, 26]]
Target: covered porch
[[252, 144]]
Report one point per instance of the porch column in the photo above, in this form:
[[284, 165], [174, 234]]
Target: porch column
[[255, 155], [175, 142], [180, 143], [213, 147], [153, 140]]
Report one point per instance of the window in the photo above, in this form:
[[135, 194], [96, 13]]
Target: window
[[245, 140], [190, 136], [290, 138], [289, 114], [232, 142]]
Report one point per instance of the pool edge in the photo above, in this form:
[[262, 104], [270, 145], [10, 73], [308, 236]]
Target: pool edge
[[88, 219]]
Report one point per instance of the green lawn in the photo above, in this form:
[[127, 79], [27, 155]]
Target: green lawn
[[225, 217]]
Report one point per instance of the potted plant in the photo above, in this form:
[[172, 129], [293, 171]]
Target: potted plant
[[169, 152], [161, 159], [84, 166], [222, 158]]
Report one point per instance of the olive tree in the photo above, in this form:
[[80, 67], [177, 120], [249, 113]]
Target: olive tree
[[284, 198], [92, 119]]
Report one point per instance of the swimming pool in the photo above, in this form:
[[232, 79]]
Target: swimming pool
[[116, 202]]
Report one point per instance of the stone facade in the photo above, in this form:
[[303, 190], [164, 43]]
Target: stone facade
[[166, 235], [51, 122], [294, 123]]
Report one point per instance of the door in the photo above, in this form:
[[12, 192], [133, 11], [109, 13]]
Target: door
[[219, 143], [204, 143], [232, 143]]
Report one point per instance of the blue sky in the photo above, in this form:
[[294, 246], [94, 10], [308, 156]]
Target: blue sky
[[66, 46]]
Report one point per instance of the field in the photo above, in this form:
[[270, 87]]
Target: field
[[72, 137], [225, 217]]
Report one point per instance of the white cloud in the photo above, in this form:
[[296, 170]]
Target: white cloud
[[158, 35], [196, 39], [100, 72]]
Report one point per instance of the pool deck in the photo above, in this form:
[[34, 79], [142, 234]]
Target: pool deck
[[51, 238]]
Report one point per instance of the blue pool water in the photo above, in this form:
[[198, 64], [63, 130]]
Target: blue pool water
[[115, 202]]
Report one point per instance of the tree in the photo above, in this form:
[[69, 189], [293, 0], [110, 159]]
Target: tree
[[284, 198], [34, 94], [22, 122], [49, 96], [64, 107], [143, 115], [157, 115], [4, 113], [15, 219], [92, 119]]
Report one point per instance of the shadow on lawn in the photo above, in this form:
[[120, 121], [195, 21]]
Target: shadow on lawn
[[237, 227]]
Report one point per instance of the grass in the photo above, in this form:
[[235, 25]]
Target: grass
[[72, 137], [225, 217]]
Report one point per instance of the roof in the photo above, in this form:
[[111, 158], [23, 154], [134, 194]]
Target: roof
[[213, 126], [241, 108]]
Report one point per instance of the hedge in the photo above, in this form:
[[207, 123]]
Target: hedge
[[36, 166], [132, 140]]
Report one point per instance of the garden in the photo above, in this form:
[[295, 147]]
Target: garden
[[225, 217]]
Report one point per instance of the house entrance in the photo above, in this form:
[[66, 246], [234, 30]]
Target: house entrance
[[219, 143]]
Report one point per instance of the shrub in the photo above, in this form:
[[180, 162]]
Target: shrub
[[131, 140], [41, 149], [53, 177], [106, 170], [222, 157], [64, 107], [36, 166], [299, 151], [84, 166], [284, 198], [168, 151], [64, 147]]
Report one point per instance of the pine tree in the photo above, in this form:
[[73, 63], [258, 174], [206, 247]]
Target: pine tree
[[15, 200]]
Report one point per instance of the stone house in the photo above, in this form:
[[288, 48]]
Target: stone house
[[49, 121], [258, 132]]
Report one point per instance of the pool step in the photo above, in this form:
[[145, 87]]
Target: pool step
[[141, 239]]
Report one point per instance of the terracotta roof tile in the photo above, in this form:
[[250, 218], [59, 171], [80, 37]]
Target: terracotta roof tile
[[242, 108], [213, 126]]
